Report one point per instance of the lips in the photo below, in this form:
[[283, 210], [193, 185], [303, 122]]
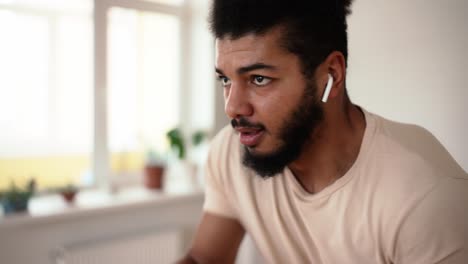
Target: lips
[[250, 137]]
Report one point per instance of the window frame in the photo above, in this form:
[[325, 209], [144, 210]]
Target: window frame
[[101, 154]]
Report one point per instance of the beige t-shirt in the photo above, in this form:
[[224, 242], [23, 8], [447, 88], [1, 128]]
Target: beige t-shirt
[[405, 201]]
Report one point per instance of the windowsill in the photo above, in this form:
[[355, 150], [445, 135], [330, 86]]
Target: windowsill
[[51, 208]]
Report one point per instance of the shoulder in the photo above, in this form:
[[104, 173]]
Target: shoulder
[[420, 193], [406, 162], [411, 147]]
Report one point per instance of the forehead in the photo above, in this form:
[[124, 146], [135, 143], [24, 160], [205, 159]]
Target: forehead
[[250, 49]]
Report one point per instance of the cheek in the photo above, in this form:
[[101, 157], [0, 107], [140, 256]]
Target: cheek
[[284, 95], [276, 107], [273, 112]]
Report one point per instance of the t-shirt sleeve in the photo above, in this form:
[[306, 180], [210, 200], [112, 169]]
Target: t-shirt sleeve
[[216, 196], [436, 231]]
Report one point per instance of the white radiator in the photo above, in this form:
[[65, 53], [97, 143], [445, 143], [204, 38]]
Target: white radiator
[[161, 248]]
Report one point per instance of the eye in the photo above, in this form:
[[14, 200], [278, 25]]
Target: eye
[[224, 80], [260, 80]]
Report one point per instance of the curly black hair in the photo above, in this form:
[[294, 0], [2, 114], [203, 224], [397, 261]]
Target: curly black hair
[[312, 28]]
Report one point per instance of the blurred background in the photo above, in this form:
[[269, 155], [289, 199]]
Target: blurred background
[[90, 88]]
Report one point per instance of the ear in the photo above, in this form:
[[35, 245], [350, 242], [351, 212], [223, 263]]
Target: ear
[[334, 65]]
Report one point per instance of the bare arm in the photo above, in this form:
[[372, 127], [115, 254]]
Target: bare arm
[[217, 241]]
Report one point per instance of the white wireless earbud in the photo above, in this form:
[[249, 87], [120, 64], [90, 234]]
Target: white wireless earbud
[[327, 88]]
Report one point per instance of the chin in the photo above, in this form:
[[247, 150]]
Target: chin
[[264, 163], [261, 150], [269, 162]]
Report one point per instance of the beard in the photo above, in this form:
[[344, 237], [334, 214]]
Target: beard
[[294, 134]]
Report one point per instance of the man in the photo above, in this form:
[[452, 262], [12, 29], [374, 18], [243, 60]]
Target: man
[[310, 176]]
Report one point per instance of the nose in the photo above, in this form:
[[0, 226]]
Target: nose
[[237, 102]]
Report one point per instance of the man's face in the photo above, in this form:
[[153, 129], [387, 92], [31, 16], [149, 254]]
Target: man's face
[[272, 105]]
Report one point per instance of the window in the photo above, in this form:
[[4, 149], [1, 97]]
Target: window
[[46, 92], [143, 84], [88, 88]]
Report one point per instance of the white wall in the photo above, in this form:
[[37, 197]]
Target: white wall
[[409, 62]]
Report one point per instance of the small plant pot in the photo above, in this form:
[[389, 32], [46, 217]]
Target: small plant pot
[[69, 196], [153, 176], [15, 206]]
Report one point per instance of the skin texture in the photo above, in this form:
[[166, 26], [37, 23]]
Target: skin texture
[[263, 77], [269, 103], [334, 144]]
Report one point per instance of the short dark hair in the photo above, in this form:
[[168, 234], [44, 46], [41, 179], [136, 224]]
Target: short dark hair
[[312, 28]]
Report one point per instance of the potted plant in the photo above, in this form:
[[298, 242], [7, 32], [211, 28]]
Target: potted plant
[[154, 171], [16, 199], [68, 193]]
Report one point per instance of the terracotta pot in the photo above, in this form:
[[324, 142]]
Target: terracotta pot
[[153, 176], [68, 196]]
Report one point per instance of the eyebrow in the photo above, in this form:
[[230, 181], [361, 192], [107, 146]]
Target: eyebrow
[[245, 69]]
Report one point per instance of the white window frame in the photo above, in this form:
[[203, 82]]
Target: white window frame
[[101, 154]]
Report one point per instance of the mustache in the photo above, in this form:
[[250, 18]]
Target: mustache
[[243, 122]]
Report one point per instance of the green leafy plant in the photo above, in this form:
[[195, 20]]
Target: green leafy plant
[[16, 199], [198, 137], [177, 142]]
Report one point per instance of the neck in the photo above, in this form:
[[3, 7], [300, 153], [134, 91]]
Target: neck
[[332, 150]]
